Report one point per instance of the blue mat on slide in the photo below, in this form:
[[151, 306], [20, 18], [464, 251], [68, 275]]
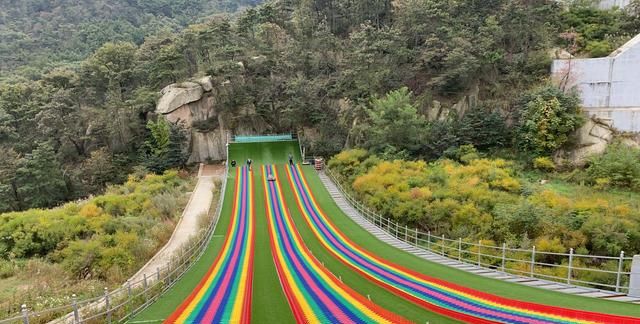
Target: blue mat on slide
[[262, 138]]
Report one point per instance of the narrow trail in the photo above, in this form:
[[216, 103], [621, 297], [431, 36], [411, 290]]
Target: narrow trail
[[199, 204]]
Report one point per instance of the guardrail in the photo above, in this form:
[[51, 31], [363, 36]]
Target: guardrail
[[128, 300], [262, 138], [601, 272]]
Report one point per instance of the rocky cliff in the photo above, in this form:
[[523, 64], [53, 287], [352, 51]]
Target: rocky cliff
[[195, 105]]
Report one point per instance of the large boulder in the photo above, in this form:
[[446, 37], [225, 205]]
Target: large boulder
[[177, 95], [197, 105], [206, 83], [589, 140]]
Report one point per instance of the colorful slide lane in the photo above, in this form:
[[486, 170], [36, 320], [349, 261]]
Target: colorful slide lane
[[434, 294], [224, 293], [314, 294]]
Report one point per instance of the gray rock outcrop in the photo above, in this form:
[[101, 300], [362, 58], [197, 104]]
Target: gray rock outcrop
[[589, 140], [440, 112], [198, 106], [194, 105], [177, 95]]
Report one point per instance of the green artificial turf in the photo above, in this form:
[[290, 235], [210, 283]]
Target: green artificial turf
[[378, 295], [493, 286], [265, 153], [168, 302], [269, 303]]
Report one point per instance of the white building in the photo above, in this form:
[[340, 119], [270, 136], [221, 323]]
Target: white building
[[605, 4], [609, 86], [608, 4]]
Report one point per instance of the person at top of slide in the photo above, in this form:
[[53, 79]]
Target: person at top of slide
[[290, 159], [249, 164]]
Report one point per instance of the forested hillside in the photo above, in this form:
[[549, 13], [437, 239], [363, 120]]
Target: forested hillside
[[311, 65], [432, 92], [37, 34]]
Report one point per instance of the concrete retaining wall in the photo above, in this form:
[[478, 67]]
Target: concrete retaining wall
[[609, 86]]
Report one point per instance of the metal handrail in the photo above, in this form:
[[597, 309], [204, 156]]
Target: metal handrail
[[437, 244]]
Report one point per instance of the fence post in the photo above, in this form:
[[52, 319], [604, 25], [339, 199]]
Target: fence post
[[634, 277], [429, 240], [107, 304], [442, 244], [504, 254], [74, 304], [144, 286], [416, 236], [533, 262], [479, 244], [459, 248], [570, 266], [619, 274], [25, 314], [406, 231], [158, 273]]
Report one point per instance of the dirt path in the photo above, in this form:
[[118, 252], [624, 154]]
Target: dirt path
[[199, 203]]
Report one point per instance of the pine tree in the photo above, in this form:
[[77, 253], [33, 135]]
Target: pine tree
[[40, 179]]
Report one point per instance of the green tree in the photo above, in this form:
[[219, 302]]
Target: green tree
[[484, 128], [39, 178], [395, 123], [110, 71], [164, 147], [547, 118], [9, 161]]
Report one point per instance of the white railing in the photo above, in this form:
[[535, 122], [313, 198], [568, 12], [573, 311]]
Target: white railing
[[128, 300], [601, 272]]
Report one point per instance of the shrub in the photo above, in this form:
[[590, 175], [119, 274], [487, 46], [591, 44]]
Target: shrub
[[347, 163], [599, 48], [7, 269], [463, 153], [92, 238], [618, 166], [547, 118], [483, 128], [544, 164]]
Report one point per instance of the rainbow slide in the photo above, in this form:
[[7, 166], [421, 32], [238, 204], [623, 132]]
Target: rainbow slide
[[436, 295], [314, 294], [224, 293]]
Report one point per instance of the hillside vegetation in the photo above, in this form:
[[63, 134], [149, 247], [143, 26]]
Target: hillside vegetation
[[314, 65], [494, 199], [82, 247], [38, 34]]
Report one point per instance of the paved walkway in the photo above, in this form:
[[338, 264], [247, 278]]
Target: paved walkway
[[350, 211], [199, 203]]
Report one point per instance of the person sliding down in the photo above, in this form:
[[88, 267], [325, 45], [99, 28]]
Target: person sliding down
[[249, 164]]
